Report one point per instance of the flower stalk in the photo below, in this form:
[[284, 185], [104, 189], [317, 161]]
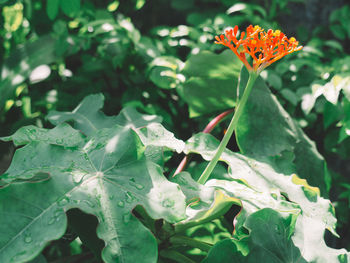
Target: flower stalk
[[232, 126]]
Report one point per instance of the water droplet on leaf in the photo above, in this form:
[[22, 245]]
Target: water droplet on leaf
[[57, 213], [139, 186], [278, 229], [63, 201], [89, 203], [133, 183], [129, 197], [28, 239], [126, 218], [168, 203], [51, 221], [59, 141], [121, 204], [78, 177]]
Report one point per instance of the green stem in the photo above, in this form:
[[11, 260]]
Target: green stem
[[187, 241], [232, 126]]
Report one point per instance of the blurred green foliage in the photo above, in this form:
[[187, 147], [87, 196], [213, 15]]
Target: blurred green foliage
[[158, 56]]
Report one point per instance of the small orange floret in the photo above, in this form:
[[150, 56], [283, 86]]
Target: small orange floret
[[264, 47], [276, 33]]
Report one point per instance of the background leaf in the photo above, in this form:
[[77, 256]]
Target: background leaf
[[70, 7], [52, 7], [210, 87], [18, 67]]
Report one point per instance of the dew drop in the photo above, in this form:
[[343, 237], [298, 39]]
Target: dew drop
[[63, 201], [278, 230], [139, 186], [126, 218], [51, 221], [168, 203], [59, 141], [129, 197], [78, 177], [121, 204], [57, 213], [28, 239], [89, 203], [133, 183]]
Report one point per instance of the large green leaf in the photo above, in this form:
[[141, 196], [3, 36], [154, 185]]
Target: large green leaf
[[266, 132], [63, 135], [268, 241], [210, 87], [107, 176], [258, 185], [88, 118]]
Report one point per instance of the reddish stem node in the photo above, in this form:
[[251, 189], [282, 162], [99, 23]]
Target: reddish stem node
[[211, 125]]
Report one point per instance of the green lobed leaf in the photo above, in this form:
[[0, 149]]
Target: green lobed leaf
[[88, 118], [210, 87], [107, 177], [63, 135], [261, 186], [268, 241]]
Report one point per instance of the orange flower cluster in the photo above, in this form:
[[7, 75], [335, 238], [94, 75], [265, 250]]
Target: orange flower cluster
[[264, 47]]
